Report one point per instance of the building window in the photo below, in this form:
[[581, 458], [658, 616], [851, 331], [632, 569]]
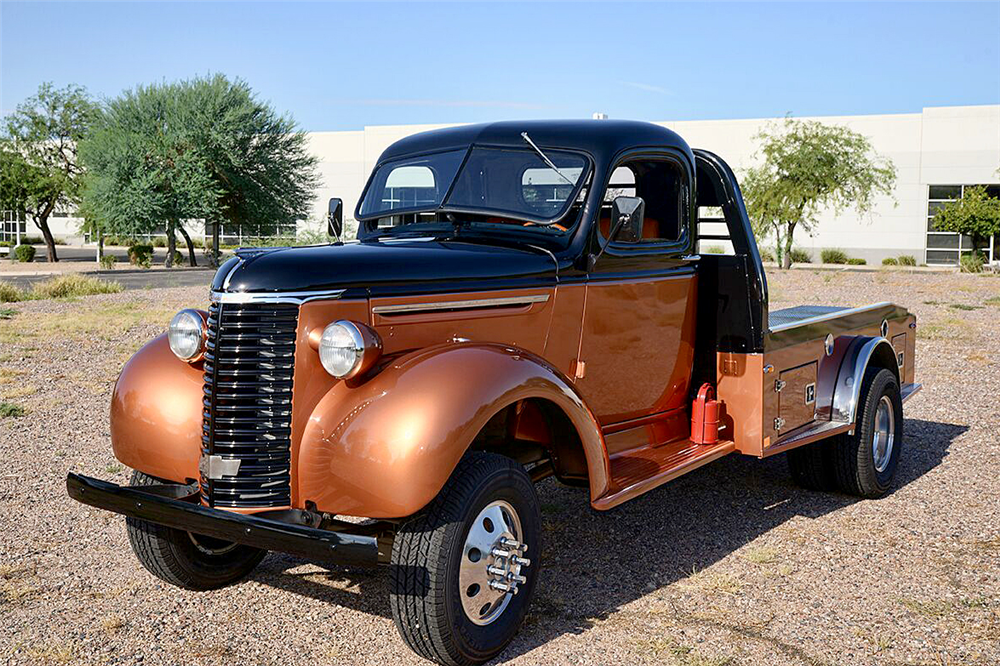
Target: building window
[[12, 226], [945, 247]]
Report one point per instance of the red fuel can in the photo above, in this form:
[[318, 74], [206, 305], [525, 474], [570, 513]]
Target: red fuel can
[[705, 416]]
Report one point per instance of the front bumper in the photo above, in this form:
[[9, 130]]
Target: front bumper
[[175, 505]]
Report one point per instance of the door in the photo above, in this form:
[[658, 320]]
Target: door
[[637, 339]]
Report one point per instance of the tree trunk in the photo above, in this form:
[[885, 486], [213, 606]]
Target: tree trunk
[[187, 239], [100, 246], [171, 243], [786, 259], [216, 239], [42, 222]]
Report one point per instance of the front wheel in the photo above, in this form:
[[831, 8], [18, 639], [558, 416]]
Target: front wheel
[[463, 570], [187, 560]]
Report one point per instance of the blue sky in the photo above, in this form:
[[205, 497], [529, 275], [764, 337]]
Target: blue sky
[[343, 66]]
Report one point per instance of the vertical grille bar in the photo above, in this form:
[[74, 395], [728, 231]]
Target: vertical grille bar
[[247, 415]]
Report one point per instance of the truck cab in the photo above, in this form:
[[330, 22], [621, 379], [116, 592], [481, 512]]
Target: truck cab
[[523, 300]]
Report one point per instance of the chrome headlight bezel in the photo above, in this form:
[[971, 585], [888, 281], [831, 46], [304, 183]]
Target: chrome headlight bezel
[[186, 326], [357, 345]]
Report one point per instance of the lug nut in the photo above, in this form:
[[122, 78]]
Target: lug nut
[[497, 585], [514, 578], [520, 561], [496, 571], [496, 552]]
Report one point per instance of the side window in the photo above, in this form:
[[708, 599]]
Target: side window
[[660, 183]]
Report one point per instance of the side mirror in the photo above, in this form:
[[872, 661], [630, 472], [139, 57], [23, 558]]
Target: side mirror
[[335, 218], [627, 215]]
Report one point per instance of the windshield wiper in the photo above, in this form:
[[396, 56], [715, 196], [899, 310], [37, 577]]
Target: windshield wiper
[[545, 158]]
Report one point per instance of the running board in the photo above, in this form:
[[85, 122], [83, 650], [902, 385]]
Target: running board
[[639, 470]]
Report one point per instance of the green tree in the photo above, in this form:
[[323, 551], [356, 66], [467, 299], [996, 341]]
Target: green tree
[[205, 148], [975, 214], [39, 152], [144, 171], [258, 159], [808, 167]]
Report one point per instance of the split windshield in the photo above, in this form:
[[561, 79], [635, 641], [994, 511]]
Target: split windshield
[[492, 181]]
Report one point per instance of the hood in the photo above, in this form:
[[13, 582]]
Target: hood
[[383, 266]]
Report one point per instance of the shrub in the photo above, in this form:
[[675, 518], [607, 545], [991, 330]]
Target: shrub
[[800, 256], [9, 293], [971, 263], [74, 284], [766, 255], [906, 260], [714, 249], [159, 241], [856, 261], [197, 242], [178, 258], [33, 240], [9, 409], [24, 253], [120, 241], [141, 255], [833, 256], [890, 261], [108, 262]]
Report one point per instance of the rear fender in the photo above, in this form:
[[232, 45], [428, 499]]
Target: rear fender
[[386, 447], [861, 352]]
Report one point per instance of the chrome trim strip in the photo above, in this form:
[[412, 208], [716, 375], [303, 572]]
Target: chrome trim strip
[[229, 275], [459, 305], [296, 297], [827, 317], [908, 391], [814, 432]]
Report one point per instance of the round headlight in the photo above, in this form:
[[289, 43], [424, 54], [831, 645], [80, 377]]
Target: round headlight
[[186, 335], [347, 349]]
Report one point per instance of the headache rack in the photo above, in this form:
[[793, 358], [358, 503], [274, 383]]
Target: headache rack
[[247, 416]]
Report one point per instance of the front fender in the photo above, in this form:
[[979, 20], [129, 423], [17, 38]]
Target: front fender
[[156, 413], [385, 448]]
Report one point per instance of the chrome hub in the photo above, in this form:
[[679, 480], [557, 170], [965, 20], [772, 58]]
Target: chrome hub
[[492, 563], [885, 434]]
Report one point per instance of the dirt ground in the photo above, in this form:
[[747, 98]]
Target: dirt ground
[[731, 564]]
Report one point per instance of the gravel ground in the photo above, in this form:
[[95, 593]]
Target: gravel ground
[[728, 565]]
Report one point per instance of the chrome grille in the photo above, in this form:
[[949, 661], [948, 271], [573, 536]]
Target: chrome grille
[[249, 363]]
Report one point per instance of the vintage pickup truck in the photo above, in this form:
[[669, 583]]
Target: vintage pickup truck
[[523, 300]]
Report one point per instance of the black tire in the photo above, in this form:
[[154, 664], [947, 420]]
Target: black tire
[[854, 460], [811, 466], [185, 560], [427, 553]]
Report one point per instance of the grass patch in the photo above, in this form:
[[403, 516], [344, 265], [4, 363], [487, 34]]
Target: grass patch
[[761, 554], [948, 328], [52, 653], [964, 307], [62, 286], [112, 623], [724, 583], [7, 313], [10, 410], [113, 468], [993, 300]]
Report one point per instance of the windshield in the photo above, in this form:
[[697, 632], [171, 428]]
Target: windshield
[[506, 181]]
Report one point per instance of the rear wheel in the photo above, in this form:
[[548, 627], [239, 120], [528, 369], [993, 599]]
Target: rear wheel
[[187, 560], [865, 462], [463, 571], [811, 466]]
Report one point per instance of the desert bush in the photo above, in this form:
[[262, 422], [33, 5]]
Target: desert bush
[[108, 262], [159, 241], [24, 253], [906, 260], [141, 255], [856, 261], [800, 256], [833, 256], [9, 293], [178, 258], [890, 261], [73, 284], [766, 254], [971, 263], [714, 249]]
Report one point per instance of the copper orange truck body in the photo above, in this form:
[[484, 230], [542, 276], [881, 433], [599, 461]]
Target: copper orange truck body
[[523, 300]]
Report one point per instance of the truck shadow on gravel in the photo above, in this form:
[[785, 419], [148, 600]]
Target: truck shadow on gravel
[[596, 562]]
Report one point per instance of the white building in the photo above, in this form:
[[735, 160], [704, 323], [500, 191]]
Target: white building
[[937, 152]]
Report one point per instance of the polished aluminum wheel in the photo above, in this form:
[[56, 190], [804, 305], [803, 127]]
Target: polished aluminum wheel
[[492, 560], [885, 434]]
